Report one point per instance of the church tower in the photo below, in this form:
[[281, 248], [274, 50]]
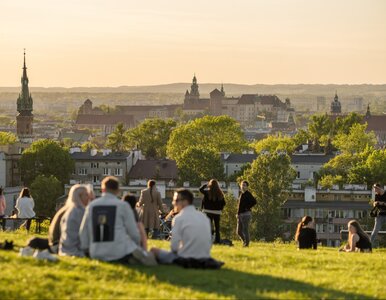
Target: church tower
[[24, 119], [336, 108], [194, 93]]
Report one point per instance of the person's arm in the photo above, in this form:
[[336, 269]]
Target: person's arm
[[159, 202], [140, 201], [84, 231], [33, 203], [130, 224], [176, 236], [251, 200], [352, 243], [202, 188]]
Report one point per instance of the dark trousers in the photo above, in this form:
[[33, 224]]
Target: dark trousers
[[243, 221], [215, 219], [38, 243], [27, 224]]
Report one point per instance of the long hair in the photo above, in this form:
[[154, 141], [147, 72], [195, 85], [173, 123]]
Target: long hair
[[150, 185], [304, 222], [74, 199], [215, 193], [130, 199], [25, 193], [362, 234], [1, 191]]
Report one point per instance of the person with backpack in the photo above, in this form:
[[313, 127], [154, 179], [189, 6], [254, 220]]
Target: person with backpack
[[380, 204], [212, 205]]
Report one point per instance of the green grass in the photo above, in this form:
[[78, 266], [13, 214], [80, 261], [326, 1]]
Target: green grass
[[265, 270]]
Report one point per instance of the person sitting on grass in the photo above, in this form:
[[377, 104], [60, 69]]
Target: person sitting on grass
[[306, 234], [191, 240], [109, 231], [78, 199], [25, 207], [132, 201], [358, 240]]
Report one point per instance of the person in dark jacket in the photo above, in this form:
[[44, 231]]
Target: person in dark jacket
[[244, 214], [306, 234], [212, 205]]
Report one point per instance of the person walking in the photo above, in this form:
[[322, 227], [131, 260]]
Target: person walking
[[150, 204], [244, 214], [25, 207], [380, 203], [212, 205]]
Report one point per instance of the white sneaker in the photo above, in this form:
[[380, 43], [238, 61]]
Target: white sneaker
[[45, 255], [26, 251]]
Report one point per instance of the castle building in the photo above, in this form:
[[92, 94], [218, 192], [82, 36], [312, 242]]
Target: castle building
[[24, 120], [336, 108]]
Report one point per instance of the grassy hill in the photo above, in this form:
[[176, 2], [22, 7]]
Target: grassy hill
[[265, 270]]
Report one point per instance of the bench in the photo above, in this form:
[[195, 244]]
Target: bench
[[17, 221]]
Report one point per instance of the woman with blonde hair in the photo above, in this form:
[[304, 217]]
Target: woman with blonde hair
[[78, 199], [358, 240]]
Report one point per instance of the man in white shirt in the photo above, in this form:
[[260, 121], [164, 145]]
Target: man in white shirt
[[191, 232], [109, 231]]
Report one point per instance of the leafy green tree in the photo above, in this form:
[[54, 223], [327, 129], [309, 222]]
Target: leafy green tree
[[46, 157], [228, 220], [301, 137], [151, 136], [45, 190], [7, 138], [67, 142], [356, 140], [275, 143], [199, 164], [219, 134], [270, 176], [87, 146], [319, 126], [376, 164], [118, 140], [344, 124]]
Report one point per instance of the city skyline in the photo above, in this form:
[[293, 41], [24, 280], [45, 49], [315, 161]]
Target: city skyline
[[128, 43]]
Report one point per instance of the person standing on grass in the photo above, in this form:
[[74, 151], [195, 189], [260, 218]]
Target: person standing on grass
[[244, 214], [25, 207], [78, 199], [380, 203], [150, 204], [191, 237], [306, 234], [3, 204], [212, 205], [358, 240], [109, 231]]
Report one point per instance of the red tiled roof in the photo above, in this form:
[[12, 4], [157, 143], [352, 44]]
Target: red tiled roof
[[154, 169], [376, 123]]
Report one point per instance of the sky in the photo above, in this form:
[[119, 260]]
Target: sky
[[76, 43]]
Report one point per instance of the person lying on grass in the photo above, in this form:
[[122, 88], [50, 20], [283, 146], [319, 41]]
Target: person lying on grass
[[358, 240], [191, 240]]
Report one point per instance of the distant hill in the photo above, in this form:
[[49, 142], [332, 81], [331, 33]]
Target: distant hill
[[230, 89]]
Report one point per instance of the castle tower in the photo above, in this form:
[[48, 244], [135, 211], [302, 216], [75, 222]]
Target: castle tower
[[24, 120], [194, 93], [336, 108]]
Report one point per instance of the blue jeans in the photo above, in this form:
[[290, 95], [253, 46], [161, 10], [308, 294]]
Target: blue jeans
[[379, 221]]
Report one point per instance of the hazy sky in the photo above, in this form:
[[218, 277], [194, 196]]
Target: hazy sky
[[124, 42]]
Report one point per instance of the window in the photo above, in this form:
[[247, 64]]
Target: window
[[82, 171], [96, 179], [118, 172], [94, 165], [106, 171], [321, 228], [298, 175]]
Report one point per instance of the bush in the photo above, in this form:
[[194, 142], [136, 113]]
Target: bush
[[228, 221]]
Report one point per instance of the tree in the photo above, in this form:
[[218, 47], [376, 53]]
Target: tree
[[151, 136], [228, 220], [46, 157], [220, 134], [118, 140], [275, 143], [356, 140], [7, 138], [270, 176], [319, 126], [301, 137], [87, 146], [376, 164], [344, 124], [45, 190], [199, 164]]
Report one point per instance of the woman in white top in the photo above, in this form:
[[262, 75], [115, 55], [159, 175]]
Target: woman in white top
[[25, 207]]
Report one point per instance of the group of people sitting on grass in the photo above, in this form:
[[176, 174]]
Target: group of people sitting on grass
[[116, 230], [109, 229]]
